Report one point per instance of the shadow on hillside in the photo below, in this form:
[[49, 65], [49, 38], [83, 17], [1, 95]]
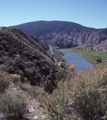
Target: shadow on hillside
[[20, 119]]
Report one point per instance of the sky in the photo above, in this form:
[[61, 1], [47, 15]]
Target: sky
[[90, 13]]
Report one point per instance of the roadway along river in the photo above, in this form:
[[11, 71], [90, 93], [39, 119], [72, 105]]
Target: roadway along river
[[73, 58]]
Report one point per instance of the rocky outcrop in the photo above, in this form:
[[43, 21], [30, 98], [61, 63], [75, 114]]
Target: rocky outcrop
[[35, 111], [66, 34], [94, 38], [26, 56]]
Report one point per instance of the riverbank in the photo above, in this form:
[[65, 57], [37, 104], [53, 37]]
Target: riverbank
[[80, 62], [94, 57], [62, 59]]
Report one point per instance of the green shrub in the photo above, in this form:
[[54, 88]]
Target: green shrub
[[84, 97], [4, 81], [99, 60], [89, 105], [60, 76], [12, 108], [57, 108]]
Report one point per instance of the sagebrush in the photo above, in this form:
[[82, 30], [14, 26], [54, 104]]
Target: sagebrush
[[83, 97], [12, 108], [4, 81]]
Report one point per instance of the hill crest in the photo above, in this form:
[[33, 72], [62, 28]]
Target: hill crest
[[65, 34]]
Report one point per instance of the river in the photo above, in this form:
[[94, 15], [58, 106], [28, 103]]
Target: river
[[73, 58]]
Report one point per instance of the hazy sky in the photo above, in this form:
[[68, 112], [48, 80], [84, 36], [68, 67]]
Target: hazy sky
[[90, 13]]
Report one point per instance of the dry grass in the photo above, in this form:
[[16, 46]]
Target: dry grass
[[35, 92], [84, 97], [5, 80]]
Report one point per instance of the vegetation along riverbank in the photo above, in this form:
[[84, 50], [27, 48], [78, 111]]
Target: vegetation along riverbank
[[94, 57]]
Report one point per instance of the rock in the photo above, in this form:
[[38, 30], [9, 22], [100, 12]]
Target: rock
[[32, 104], [43, 116], [36, 117], [31, 110]]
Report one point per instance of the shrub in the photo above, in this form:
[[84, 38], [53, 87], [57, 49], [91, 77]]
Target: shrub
[[99, 60], [84, 97], [35, 92], [12, 108], [57, 105], [4, 81], [72, 67], [60, 76]]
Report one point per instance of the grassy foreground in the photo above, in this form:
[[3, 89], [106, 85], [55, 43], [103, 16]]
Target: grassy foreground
[[81, 97], [92, 56]]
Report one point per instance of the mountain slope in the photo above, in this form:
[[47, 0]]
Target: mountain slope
[[65, 34], [26, 56], [40, 28], [93, 38]]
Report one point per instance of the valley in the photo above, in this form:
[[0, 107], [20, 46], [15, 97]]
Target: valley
[[94, 57], [47, 73], [72, 57], [53, 59]]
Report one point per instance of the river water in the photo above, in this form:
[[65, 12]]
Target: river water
[[73, 58]]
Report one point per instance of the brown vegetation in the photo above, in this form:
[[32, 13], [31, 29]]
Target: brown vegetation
[[80, 97], [72, 67], [84, 97]]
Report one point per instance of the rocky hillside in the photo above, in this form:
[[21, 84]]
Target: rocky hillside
[[93, 38], [66, 34], [26, 56]]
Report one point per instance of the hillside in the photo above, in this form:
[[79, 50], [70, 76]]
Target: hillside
[[65, 34], [26, 56]]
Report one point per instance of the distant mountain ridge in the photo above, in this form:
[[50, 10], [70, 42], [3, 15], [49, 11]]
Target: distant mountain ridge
[[65, 34]]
